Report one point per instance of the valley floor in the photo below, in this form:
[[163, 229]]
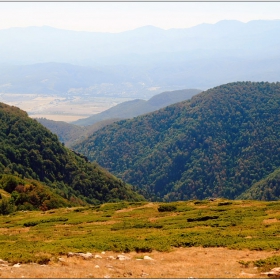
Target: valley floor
[[195, 262]]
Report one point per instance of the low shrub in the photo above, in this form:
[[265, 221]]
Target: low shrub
[[144, 249], [167, 208], [244, 263], [6, 206], [43, 260], [224, 203], [30, 224], [197, 202], [267, 264], [203, 218], [34, 223]]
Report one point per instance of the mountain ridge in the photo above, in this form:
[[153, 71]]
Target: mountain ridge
[[203, 56], [136, 107], [219, 143]]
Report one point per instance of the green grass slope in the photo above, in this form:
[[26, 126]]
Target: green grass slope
[[219, 143], [29, 150], [142, 227]]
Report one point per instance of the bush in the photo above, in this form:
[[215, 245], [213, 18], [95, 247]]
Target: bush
[[267, 264], [144, 249], [167, 208], [224, 203], [6, 206], [204, 218], [9, 183], [43, 260], [30, 224]]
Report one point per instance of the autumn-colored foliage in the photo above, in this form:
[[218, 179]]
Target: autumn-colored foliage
[[218, 144], [29, 150]]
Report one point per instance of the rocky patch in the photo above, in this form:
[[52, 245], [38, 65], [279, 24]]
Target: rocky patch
[[274, 272]]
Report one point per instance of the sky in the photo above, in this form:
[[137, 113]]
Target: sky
[[117, 17]]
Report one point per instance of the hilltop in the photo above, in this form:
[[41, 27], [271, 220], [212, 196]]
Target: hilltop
[[137, 107], [218, 144]]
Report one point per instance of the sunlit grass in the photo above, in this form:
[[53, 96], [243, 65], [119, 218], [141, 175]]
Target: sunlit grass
[[123, 227]]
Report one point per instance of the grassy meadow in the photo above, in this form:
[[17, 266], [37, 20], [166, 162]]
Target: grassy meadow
[[36, 236]]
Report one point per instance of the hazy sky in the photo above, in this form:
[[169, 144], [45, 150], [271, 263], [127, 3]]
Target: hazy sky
[[121, 16]]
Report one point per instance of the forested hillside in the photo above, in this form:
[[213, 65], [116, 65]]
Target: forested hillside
[[69, 133], [218, 144], [29, 150], [266, 189]]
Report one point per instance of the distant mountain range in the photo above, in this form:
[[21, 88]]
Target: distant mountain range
[[53, 61], [223, 142], [32, 45]]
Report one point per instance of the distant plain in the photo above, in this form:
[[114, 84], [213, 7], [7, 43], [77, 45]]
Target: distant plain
[[60, 108]]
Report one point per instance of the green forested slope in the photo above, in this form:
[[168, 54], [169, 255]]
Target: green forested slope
[[69, 133], [29, 194], [29, 150], [219, 143], [266, 189]]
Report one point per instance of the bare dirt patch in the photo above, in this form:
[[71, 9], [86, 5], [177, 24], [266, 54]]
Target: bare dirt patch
[[149, 205], [180, 263], [271, 221]]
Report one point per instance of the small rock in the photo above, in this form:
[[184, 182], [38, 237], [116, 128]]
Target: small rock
[[70, 254], [123, 257], [16, 265], [111, 258], [97, 266], [109, 266], [3, 262], [61, 259], [275, 272], [86, 256], [107, 276], [97, 257], [148, 258], [247, 274], [276, 269], [103, 253]]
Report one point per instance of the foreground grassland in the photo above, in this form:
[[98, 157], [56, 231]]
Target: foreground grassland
[[37, 236]]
